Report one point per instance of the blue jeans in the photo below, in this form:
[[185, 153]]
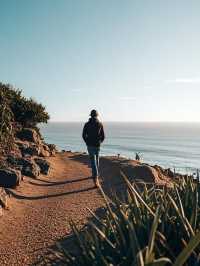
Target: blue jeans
[[94, 159]]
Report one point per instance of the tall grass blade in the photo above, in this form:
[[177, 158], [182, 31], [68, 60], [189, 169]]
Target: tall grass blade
[[184, 255]]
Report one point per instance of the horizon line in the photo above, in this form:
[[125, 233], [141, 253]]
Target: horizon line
[[118, 121]]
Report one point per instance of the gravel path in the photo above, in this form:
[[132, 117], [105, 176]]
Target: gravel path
[[41, 210]]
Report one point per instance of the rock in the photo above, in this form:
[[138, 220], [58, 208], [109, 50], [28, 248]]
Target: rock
[[46, 147], [43, 165], [146, 173], [29, 134], [9, 178], [33, 150], [22, 144], [169, 172], [14, 160], [44, 151], [28, 166], [3, 198], [53, 149]]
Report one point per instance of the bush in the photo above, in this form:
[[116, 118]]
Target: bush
[[6, 128], [17, 111], [158, 226], [32, 114], [26, 112]]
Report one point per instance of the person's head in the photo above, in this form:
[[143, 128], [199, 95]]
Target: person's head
[[94, 113]]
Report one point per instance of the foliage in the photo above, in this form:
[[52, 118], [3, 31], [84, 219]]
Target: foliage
[[16, 110], [158, 226], [26, 111], [6, 128]]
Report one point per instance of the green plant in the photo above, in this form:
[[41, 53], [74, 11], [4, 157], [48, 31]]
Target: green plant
[[6, 128], [16, 111], [26, 112], [153, 226]]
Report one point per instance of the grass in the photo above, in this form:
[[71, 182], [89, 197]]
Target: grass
[[151, 227]]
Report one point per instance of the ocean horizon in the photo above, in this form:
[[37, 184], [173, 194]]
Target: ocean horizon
[[169, 144]]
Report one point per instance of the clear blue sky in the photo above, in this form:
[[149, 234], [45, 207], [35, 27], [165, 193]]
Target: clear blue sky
[[133, 60]]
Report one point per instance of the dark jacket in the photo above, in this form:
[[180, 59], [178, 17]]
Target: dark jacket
[[93, 133]]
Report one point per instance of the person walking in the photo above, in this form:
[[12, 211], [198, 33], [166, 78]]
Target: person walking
[[93, 135]]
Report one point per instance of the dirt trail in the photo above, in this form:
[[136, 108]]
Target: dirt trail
[[41, 209]]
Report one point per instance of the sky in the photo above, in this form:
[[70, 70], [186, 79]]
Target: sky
[[132, 60]]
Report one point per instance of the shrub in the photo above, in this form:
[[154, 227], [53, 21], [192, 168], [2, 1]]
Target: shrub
[[158, 226], [17, 111], [6, 128], [32, 113], [27, 112]]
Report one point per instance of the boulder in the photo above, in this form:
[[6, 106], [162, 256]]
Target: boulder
[[44, 151], [27, 166], [15, 161], [29, 134], [145, 173], [43, 165], [32, 150], [9, 178], [30, 168]]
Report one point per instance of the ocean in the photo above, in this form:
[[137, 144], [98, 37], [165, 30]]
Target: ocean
[[171, 145]]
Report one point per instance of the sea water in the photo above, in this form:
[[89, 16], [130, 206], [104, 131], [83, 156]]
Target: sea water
[[166, 144]]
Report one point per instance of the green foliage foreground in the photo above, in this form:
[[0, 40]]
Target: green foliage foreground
[[158, 226]]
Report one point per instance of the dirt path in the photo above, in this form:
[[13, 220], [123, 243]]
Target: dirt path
[[42, 208]]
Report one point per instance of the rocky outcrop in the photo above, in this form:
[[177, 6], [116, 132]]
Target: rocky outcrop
[[29, 134], [22, 145], [28, 166], [162, 171], [137, 171], [25, 159], [30, 143], [32, 150], [9, 178], [44, 151], [146, 173], [43, 165]]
